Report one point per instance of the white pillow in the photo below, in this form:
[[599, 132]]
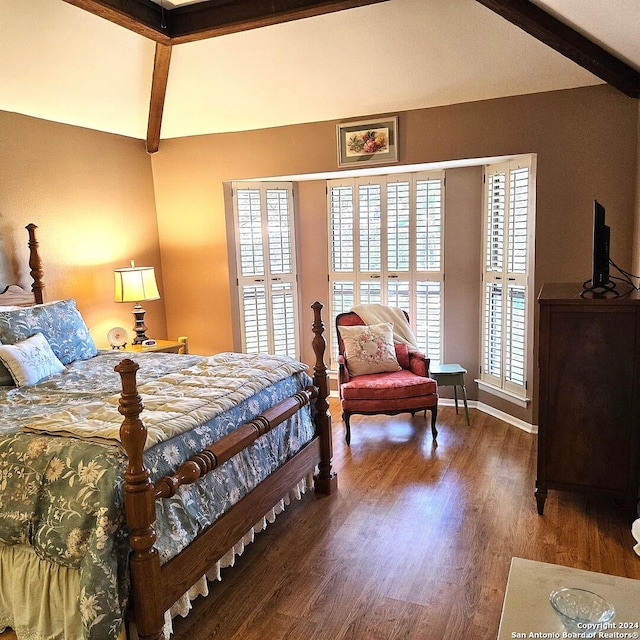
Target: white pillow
[[369, 348], [30, 361]]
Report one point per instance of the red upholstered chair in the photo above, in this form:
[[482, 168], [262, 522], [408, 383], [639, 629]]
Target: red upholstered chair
[[407, 390]]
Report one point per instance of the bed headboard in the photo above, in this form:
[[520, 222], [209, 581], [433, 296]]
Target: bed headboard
[[15, 295]]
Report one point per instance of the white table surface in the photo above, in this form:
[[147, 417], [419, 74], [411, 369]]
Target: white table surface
[[527, 611]]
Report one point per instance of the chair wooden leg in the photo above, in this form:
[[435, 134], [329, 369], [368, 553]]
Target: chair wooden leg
[[434, 416], [346, 416]]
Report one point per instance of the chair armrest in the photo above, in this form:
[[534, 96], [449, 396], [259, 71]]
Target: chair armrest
[[419, 363], [343, 371]]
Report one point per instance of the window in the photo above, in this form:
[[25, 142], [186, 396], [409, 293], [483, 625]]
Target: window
[[265, 254], [507, 263], [385, 244]]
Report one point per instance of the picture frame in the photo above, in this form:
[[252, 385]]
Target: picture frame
[[368, 142]]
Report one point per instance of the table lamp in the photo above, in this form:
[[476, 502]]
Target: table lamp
[[136, 284]]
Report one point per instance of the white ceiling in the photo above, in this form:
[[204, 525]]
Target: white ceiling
[[61, 63]]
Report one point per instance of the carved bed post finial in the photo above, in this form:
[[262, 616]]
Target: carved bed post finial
[[35, 264], [326, 481], [139, 506]]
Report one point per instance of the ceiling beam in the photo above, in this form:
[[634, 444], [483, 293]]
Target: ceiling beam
[[215, 18], [143, 17], [201, 20], [158, 92], [567, 41]]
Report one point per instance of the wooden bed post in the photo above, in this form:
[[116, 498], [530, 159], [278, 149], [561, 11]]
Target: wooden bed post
[[139, 502], [326, 481], [35, 264]]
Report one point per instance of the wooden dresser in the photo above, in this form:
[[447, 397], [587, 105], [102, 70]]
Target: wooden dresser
[[589, 414]]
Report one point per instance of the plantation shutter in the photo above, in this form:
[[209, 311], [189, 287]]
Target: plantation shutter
[[429, 267], [342, 227], [370, 242], [385, 241], [266, 268], [505, 292]]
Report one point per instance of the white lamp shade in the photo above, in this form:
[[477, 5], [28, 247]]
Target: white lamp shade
[[135, 284]]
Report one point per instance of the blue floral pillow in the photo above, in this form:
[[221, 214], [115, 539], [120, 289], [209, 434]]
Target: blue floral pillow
[[59, 322]]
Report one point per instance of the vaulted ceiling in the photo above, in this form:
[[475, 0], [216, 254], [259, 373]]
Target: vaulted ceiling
[[160, 69]]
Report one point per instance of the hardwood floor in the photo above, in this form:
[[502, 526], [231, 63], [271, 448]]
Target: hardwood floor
[[416, 544]]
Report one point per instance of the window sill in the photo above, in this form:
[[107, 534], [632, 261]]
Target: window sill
[[509, 396]]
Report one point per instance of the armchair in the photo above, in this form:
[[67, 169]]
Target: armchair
[[389, 379]]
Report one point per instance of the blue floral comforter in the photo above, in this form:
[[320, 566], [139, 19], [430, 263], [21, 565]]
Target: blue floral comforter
[[63, 495]]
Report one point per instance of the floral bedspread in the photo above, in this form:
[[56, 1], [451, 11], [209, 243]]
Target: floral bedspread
[[63, 495]]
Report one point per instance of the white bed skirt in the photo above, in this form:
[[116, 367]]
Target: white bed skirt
[[30, 586]]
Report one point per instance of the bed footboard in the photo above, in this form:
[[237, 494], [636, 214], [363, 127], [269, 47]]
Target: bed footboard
[[154, 587]]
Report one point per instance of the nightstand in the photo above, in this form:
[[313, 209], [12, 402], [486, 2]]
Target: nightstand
[[163, 346]]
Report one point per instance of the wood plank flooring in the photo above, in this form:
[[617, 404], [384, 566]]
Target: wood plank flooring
[[416, 544]]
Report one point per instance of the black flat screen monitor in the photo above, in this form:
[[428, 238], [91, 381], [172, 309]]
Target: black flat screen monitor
[[601, 232]]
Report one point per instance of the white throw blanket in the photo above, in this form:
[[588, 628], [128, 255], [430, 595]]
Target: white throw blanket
[[377, 313]]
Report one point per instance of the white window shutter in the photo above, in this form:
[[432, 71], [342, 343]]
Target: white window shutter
[[385, 244], [507, 258], [266, 267]]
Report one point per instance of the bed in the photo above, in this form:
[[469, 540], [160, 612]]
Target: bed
[[124, 485]]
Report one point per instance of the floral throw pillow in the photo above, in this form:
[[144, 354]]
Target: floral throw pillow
[[59, 322], [369, 348], [30, 361]]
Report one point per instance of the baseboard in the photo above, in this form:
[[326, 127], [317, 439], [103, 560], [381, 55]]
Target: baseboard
[[481, 406], [492, 411]]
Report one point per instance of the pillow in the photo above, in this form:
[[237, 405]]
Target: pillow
[[369, 348], [31, 360], [59, 322]]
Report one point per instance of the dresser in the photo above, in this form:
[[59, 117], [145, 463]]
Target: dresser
[[589, 394]]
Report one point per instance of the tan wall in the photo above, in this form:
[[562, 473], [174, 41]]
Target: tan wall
[[462, 255], [91, 195], [585, 140]]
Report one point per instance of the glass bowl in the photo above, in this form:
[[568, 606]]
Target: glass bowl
[[582, 611]]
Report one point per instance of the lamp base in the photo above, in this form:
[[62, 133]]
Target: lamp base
[[140, 327]]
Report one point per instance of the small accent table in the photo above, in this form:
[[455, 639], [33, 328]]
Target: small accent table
[[451, 375], [164, 346], [527, 611]]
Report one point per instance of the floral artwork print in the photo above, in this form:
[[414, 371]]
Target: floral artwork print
[[367, 142]]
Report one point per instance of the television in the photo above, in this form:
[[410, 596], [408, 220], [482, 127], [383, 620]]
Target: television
[[601, 233]]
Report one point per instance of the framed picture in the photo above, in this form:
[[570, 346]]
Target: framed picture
[[368, 142]]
